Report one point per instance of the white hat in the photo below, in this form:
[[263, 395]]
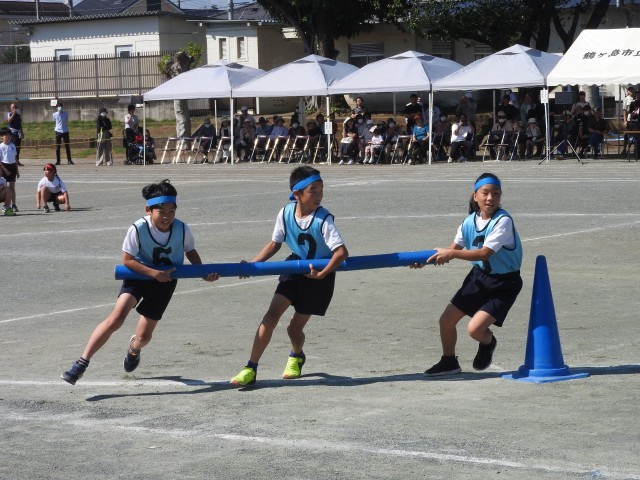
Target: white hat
[[532, 120], [244, 108], [468, 95], [373, 129]]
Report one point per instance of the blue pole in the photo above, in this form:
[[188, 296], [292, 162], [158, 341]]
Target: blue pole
[[364, 262]]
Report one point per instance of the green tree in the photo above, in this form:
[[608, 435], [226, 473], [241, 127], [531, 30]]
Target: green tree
[[320, 22], [500, 24], [18, 53], [173, 65]]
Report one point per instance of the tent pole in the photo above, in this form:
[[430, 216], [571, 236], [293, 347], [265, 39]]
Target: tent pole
[[394, 106], [328, 133], [232, 123], [430, 124], [547, 137], [144, 129]]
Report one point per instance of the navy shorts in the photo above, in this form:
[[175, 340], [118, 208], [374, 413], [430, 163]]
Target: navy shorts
[[13, 170], [308, 296], [494, 294], [155, 296]]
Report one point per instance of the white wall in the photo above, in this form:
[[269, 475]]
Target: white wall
[[89, 37]]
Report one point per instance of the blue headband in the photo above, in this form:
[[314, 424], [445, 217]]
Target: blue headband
[[305, 182], [487, 181], [158, 200]]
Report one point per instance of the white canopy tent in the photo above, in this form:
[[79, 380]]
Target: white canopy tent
[[405, 72], [600, 57], [516, 66], [216, 80], [308, 76]]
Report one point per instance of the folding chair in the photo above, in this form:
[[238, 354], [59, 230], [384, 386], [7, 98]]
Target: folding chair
[[200, 146], [494, 138], [260, 144], [170, 146], [401, 145], [221, 152], [277, 145], [298, 149]]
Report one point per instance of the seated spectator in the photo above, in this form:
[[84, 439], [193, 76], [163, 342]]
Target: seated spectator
[[534, 138], [225, 140], [208, 131], [461, 140], [263, 128], [245, 115], [314, 132], [419, 141], [296, 129], [150, 147], [567, 133], [581, 103], [374, 146], [497, 135], [511, 113], [598, 128], [441, 136], [246, 140], [349, 144], [279, 129]]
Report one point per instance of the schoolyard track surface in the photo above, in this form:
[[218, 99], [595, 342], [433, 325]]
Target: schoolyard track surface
[[363, 409]]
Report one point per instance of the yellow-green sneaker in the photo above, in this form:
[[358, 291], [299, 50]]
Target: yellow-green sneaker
[[246, 377], [294, 367]]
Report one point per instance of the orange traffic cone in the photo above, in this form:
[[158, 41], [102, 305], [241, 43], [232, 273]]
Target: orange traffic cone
[[543, 359]]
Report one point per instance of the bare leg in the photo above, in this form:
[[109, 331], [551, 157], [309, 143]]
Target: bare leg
[[295, 331], [113, 322], [478, 327], [144, 332], [448, 333], [279, 305]]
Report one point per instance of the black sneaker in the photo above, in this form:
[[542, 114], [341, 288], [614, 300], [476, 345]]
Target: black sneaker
[[56, 206], [131, 361], [446, 366], [485, 355], [74, 373]]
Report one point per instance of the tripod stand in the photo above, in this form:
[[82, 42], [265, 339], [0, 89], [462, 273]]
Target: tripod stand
[[555, 149]]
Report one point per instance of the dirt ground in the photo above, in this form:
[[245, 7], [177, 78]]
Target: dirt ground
[[363, 408]]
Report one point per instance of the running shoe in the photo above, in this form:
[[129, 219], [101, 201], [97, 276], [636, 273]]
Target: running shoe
[[131, 361], [74, 373], [446, 366], [14, 207], [294, 367], [7, 212], [485, 355], [246, 377]]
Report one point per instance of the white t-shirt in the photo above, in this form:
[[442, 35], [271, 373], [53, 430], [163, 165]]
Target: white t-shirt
[[459, 132], [500, 236], [7, 153], [132, 247], [57, 186], [330, 233], [131, 121]]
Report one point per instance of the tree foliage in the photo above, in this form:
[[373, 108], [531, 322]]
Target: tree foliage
[[500, 23], [320, 22], [18, 53]]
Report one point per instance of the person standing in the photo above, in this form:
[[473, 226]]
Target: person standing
[[104, 152], [61, 128], [9, 171], [130, 129], [14, 119]]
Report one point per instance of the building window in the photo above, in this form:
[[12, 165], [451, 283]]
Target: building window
[[361, 54], [124, 51], [442, 49], [63, 54], [222, 49], [480, 50], [242, 47]]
